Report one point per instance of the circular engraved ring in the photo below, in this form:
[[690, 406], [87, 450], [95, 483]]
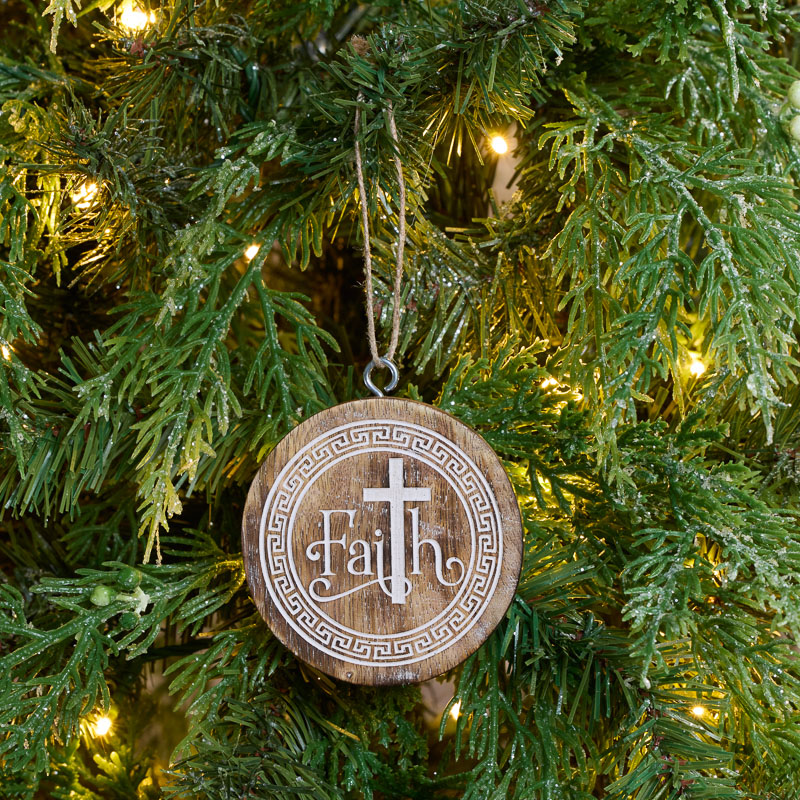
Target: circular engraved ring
[[382, 541]]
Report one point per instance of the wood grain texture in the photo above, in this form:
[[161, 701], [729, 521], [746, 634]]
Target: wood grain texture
[[382, 541]]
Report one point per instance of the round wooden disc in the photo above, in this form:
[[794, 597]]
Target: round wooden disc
[[382, 541]]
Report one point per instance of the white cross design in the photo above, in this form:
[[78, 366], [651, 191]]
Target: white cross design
[[397, 495]]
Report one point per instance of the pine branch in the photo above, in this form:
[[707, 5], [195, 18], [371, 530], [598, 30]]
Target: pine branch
[[54, 676]]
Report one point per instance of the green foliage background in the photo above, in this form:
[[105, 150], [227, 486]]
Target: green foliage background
[[148, 366]]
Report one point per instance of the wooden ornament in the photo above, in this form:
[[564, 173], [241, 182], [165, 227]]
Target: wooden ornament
[[382, 541]]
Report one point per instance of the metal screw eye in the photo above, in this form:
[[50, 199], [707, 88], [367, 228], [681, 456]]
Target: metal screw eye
[[392, 384]]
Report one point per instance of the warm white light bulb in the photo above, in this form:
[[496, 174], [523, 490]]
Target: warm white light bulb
[[6, 351], [698, 711], [696, 366], [455, 710], [135, 19], [102, 726], [499, 144], [548, 382], [84, 195], [252, 252]]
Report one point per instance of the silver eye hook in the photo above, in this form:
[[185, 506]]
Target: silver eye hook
[[393, 380]]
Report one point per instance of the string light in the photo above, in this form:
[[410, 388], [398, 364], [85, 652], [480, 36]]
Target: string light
[[499, 144], [6, 351], [135, 19], [455, 710], [698, 711], [102, 725], [696, 366], [84, 195], [548, 382], [252, 251]]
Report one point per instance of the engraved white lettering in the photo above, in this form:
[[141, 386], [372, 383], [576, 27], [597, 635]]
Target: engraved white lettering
[[362, 562], [326, 541], [365, 556], [416, 546]]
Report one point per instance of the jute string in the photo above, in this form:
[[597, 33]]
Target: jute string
[[401, 240]]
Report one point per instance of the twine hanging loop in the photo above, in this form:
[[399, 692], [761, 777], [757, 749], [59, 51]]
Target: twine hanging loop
[[378, 361]]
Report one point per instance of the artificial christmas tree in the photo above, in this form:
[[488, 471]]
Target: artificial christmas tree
[[181, 284]]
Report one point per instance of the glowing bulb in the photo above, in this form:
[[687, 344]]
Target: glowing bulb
[[135, 19], [699, 711], [499, 144], [548, 382], [252, 252], [6, 351], [697, 367], [455, 710], [102, 726], [84, 195]]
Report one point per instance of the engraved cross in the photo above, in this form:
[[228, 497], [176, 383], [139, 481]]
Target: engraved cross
[[397, 495]]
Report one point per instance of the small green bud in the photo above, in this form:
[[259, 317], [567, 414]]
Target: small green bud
[[129, 578], [102, 595], [128, 620], [794, 128], [794, 94]]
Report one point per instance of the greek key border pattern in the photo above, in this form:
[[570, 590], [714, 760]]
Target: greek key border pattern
[[361, 647]]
